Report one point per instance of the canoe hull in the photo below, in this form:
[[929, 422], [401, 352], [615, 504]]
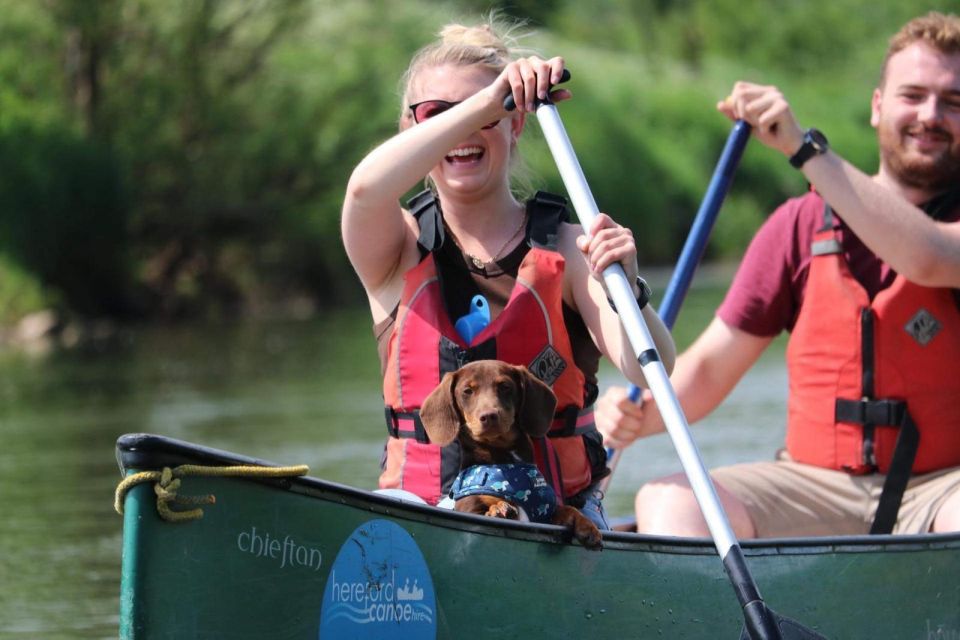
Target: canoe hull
[[305, 559]]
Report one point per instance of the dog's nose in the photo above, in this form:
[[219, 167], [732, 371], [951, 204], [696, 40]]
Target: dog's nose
[[489, 418]]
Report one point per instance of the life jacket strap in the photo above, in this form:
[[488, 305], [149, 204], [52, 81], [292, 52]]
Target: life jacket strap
[[885, 413], [825, 247], [573, 422], [547, 211], [905, 450], [546, 459], [424, 207], [405, 424]]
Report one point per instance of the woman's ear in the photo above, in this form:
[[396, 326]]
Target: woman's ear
[[517, 122], [537, 405], [405, 121], [439, 413]]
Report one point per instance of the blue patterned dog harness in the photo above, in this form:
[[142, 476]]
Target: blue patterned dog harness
[[519, 483]]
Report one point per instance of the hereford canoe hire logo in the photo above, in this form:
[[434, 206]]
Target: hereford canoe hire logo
[[379, 587]]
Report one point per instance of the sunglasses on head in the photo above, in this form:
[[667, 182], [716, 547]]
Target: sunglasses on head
[[429, 108]]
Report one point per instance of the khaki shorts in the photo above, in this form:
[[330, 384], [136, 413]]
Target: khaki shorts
[[787, 499]]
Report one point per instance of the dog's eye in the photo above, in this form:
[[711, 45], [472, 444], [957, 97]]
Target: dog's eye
[[505, 387], [467, 391]]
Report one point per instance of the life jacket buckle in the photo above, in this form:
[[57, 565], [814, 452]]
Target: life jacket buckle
[[866, 411]]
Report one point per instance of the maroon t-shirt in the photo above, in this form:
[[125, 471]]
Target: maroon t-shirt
[[767, 291]]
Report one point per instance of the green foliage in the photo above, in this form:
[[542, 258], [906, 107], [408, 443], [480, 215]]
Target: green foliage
[[189, 157], [20, 292], [29, 88], [62, 216]]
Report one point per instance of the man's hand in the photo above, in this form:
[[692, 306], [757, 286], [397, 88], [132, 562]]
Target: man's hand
[[768, 112], [621, 421]]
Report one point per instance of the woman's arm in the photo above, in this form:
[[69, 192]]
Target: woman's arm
[[585, 262], [380, 242], [376, 236]]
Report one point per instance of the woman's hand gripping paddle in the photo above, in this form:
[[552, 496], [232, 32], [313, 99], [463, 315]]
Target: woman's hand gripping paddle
[[761, 623], [693, 250]]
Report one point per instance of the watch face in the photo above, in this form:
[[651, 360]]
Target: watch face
[[814, 143], [818, 140]]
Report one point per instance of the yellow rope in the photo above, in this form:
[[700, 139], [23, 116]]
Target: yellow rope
[[167, 483]]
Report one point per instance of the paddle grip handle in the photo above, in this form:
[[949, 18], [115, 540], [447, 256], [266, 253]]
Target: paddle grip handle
[[510, 104]]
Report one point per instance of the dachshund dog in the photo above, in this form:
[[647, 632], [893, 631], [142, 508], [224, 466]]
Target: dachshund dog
[[493, 408]]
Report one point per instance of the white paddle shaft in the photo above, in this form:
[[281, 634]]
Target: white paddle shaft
[[639, 335]]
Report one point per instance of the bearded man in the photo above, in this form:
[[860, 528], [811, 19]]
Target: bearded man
[[863, 272]]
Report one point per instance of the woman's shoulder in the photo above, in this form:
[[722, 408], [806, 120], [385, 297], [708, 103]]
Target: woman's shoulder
[[567, 234]]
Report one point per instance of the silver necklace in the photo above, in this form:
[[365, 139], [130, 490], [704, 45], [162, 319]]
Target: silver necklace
[[477, 261]]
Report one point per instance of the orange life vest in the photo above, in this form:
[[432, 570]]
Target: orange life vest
[[530, 331], [863, 371]]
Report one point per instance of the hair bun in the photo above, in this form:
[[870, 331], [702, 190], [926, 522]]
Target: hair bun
[[482, 36]]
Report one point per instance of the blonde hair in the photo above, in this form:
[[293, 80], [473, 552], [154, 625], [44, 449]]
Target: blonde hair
[[937, 30], [493, 44]]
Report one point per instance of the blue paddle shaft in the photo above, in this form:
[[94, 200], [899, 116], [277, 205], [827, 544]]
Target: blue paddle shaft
[[703, 223], [695, 246]]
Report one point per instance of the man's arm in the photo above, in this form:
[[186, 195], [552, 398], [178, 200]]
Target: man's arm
[[703, 376], [925, 251]]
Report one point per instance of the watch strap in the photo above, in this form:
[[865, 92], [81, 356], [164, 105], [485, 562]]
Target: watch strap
[[814, 143], [643, 299]]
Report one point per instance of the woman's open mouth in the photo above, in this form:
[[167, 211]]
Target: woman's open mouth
[[464, 155]]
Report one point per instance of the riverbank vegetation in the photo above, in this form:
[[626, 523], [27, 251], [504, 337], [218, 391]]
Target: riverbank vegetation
[[186, 160]]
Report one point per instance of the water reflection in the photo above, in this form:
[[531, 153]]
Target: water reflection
[[293, 393]]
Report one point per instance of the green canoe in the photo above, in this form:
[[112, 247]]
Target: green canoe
[[304, 558]]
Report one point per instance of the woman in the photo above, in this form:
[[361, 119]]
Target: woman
[[423, 268]]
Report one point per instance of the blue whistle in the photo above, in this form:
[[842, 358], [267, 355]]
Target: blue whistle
[[474, 322]]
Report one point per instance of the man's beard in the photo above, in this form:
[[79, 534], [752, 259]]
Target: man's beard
[[935, 171]]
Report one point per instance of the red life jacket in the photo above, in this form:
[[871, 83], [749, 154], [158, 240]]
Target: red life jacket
[[860, 370], [530, 331]]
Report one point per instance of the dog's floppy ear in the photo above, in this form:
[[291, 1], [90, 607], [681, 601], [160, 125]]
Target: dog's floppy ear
[[439, 413], [535, 413]]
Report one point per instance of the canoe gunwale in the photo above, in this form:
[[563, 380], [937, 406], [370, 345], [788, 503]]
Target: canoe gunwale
[[142, 451]]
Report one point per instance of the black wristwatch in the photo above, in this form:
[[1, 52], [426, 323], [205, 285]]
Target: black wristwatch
[[814, 144], [642, 300]]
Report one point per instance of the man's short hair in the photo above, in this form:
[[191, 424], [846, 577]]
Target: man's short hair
[[939, 31]]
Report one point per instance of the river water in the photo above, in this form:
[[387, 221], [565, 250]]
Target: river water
[[290, 392]]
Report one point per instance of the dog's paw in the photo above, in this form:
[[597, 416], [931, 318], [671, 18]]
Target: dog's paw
[[588, 534], [580, 525], [504, 510]]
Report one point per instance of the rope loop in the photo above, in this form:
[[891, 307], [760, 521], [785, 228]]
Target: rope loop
[[167, 484]]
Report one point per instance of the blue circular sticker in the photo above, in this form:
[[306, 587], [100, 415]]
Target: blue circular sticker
[[379, 587]]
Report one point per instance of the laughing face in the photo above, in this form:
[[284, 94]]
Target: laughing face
[[481, 161], [917, 116]]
